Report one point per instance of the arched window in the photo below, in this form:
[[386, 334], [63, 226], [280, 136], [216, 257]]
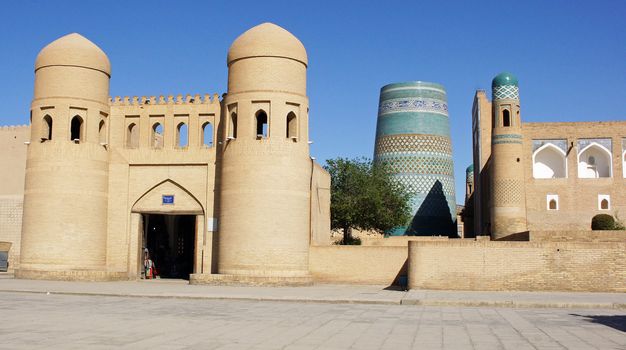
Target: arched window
[[552, 204], [76, 129], [594, 161], [261, 124], [207, 134], [292, 126], [553, 201], [604, 204], [102, 132], [549, 161], [46, 130], [232, 127], [182, 136], [506, 118], [132, 136], [157, 135]]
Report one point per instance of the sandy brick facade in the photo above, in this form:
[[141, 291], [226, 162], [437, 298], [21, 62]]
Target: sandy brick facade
[[93, 171], [559, 186], [530, 266]]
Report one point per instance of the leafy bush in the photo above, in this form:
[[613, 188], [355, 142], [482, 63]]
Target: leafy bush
[[603, 222]]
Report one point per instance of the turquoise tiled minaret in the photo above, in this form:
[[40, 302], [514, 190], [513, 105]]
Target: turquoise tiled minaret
[[413, 138]]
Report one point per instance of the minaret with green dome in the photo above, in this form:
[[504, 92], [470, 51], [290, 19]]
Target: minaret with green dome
[[507, 202]]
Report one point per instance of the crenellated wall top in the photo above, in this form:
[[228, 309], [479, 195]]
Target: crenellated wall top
[[179, 99]]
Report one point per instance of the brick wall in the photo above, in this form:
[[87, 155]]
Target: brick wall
[[525, 266], [578, 236], [11, 208], [357, 264]]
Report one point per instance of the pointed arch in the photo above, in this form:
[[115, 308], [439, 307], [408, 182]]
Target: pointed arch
[[182, 135], [102, 133], [207, 134], [132, 136], [77, 128], [594, 161], [184, 201], [232, 126], [506, 118], [549, 161], [46, 128], [292, 126], [157, 135], [262, 124]]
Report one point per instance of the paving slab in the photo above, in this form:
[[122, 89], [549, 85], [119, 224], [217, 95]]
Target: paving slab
[[320, 293]]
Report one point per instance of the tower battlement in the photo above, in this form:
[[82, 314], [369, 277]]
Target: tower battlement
[[179, 99]]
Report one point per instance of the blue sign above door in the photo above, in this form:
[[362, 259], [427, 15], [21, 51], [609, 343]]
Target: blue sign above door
[[168, 199]]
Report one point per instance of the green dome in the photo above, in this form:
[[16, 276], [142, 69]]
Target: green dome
[[504, 78], [470, 169]]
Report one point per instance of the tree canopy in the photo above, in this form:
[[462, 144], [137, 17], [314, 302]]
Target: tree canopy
[[364, 196]]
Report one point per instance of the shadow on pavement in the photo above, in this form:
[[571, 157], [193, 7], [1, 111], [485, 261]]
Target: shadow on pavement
[[615, 321]]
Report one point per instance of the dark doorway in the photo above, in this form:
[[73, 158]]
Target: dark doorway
[[170, 239]]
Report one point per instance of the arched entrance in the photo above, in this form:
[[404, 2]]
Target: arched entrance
[[169, 223]]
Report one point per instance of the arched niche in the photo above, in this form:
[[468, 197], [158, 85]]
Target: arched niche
[[549, 162], [594, 161], [207, 134], [183, 201]]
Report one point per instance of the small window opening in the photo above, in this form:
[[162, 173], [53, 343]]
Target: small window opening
[[604, 204], [292, 126], [132, 139], [46, 133], [102, 132], [232, 127], [157, 135], [207, 134], [182, 138], [506, 118], [261, 125], [76, 129], [552, 205]]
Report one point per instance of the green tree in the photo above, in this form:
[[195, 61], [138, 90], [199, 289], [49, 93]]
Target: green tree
[[365, 197]]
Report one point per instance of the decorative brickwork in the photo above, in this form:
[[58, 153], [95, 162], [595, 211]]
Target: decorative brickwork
[[508, 192], [397, 144]]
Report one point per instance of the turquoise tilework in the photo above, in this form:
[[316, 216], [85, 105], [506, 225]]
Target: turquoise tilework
[[413, 137]]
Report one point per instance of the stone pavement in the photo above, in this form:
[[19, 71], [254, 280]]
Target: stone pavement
[[57, 321], [320, 293]]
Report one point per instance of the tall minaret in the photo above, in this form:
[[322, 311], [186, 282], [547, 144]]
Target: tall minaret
[[265, 167], [508, 197], [66, 186]]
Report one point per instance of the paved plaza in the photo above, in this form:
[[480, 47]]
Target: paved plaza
[[39, 320]]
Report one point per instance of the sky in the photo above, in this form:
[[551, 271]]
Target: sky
[[569, 56]]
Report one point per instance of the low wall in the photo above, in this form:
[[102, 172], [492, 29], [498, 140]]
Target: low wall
[[399, 241], [525, 266], [357, 264], [578, 236]]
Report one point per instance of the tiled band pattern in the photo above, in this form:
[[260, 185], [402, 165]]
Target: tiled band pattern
[[413, 139]]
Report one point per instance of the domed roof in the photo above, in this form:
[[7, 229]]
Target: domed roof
[[470, 169], [267, 40], [73, 50], [504, 78]]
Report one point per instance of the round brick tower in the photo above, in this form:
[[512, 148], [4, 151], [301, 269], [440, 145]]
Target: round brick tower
[[507, 202], [265, 166], [65, 197], [413, 138]]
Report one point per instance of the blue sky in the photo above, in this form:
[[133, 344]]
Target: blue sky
[[569, 55]]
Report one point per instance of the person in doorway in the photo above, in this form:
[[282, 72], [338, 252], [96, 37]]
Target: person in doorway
[[148, 265]]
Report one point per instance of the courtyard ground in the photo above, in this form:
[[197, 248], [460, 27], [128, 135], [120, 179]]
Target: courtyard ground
[[170, 314]]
